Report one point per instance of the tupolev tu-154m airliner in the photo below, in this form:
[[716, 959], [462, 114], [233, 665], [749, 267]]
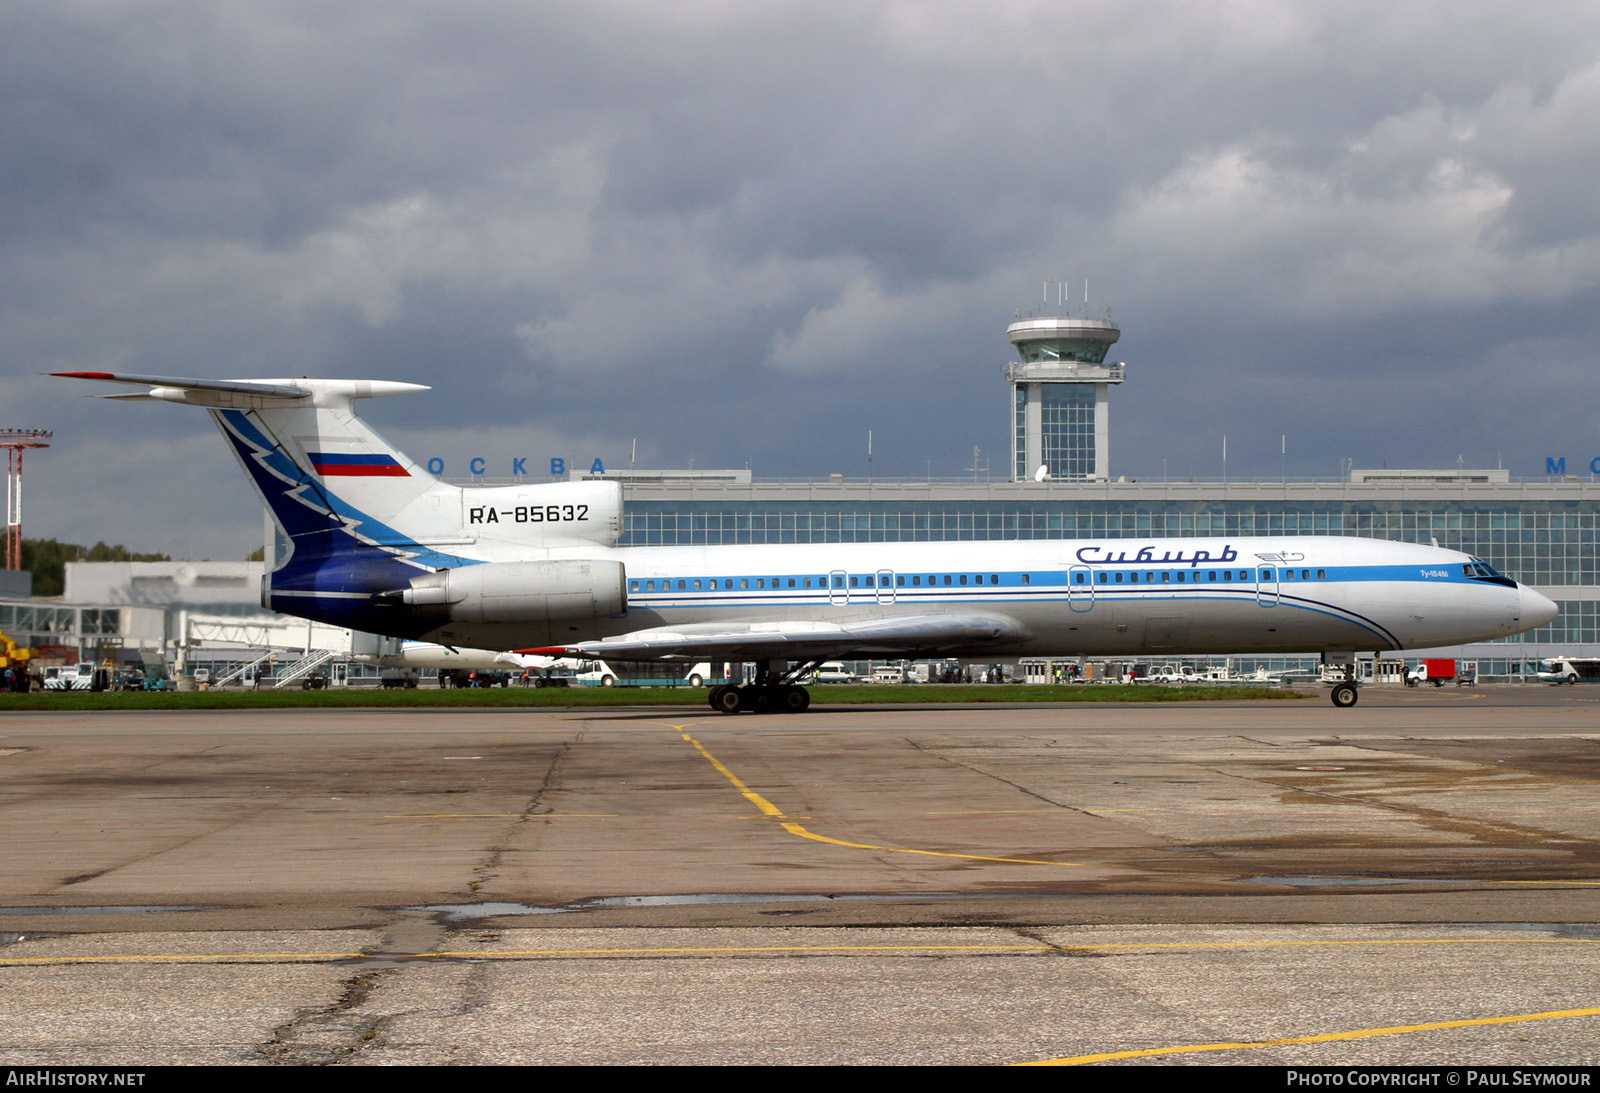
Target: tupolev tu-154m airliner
[[375, 543]]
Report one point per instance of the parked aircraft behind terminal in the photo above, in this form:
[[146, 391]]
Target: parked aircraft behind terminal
[[431, 655], [371, 541]]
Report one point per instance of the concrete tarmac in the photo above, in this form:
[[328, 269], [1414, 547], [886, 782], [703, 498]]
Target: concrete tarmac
[[1412, 880]]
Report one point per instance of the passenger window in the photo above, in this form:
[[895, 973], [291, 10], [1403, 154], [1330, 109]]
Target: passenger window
[[1078, 578], [1027, 578], [917, 580], [900, 582], [633, 586], [649, 586], [1133, 578], [1102, 578], [1180, 576], [1322, 574], [1119, 578], [1211, 574], [1166, 578], [1305, 574], [744, 582], [947, 579], [963, 578], [1227, 574], [1288, 574]]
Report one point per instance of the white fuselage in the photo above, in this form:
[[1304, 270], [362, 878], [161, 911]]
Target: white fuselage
[[1069, 597]]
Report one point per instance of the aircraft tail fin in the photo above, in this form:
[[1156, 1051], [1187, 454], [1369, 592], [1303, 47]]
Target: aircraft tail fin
[[355, 514], [360, 521], [315, 464]]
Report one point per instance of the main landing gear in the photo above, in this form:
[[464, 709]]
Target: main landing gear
[[773, 691]]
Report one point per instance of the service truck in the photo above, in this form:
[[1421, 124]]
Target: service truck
[[1433, 670]]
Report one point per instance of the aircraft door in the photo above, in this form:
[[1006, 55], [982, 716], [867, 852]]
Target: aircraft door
[[885, 586], [838, 587], [1267, 585], [1080, 588]]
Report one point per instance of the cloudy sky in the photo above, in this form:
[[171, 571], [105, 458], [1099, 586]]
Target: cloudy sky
[[744, 234]]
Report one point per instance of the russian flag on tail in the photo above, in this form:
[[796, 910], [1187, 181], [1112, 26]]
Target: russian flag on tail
[[337, 464]]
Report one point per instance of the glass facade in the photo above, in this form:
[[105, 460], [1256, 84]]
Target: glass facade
[[38, 624], [1541, 543], [1066, 427], [1083, 350], [1019, 434]]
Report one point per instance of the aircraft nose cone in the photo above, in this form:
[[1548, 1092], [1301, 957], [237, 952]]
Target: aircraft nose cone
[[1537, 609]]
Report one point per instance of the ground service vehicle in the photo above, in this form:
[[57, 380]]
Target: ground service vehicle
[[1568, 670], [1435, 671]]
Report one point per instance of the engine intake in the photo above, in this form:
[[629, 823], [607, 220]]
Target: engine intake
[[520, 592]]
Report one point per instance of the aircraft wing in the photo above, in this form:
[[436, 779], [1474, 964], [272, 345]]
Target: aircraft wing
[[904, 635]]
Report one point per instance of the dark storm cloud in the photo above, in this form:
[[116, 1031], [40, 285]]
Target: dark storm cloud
[[746, 233]]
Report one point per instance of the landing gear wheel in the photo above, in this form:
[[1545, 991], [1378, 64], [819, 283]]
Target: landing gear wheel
[[795, 700], [727, 699], [756, 699], [1344, 695]]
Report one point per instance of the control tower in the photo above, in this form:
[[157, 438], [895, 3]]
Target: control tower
[[1060, 412]]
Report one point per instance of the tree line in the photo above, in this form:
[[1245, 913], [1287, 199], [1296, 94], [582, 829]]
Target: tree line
[[46, 559]]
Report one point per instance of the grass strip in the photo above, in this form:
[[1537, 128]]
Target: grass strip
[[556, 697]]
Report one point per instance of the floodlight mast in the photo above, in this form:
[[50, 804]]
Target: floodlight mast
[[15, 441]]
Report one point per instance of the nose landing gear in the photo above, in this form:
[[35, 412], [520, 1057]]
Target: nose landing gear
[[1344, 693]]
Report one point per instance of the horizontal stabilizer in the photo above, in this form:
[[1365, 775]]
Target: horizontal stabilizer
[[231, 387], [254, 394]]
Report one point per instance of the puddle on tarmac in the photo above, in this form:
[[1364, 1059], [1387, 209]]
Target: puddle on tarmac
[[456, 912], [1351, 882], [110, 909]]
